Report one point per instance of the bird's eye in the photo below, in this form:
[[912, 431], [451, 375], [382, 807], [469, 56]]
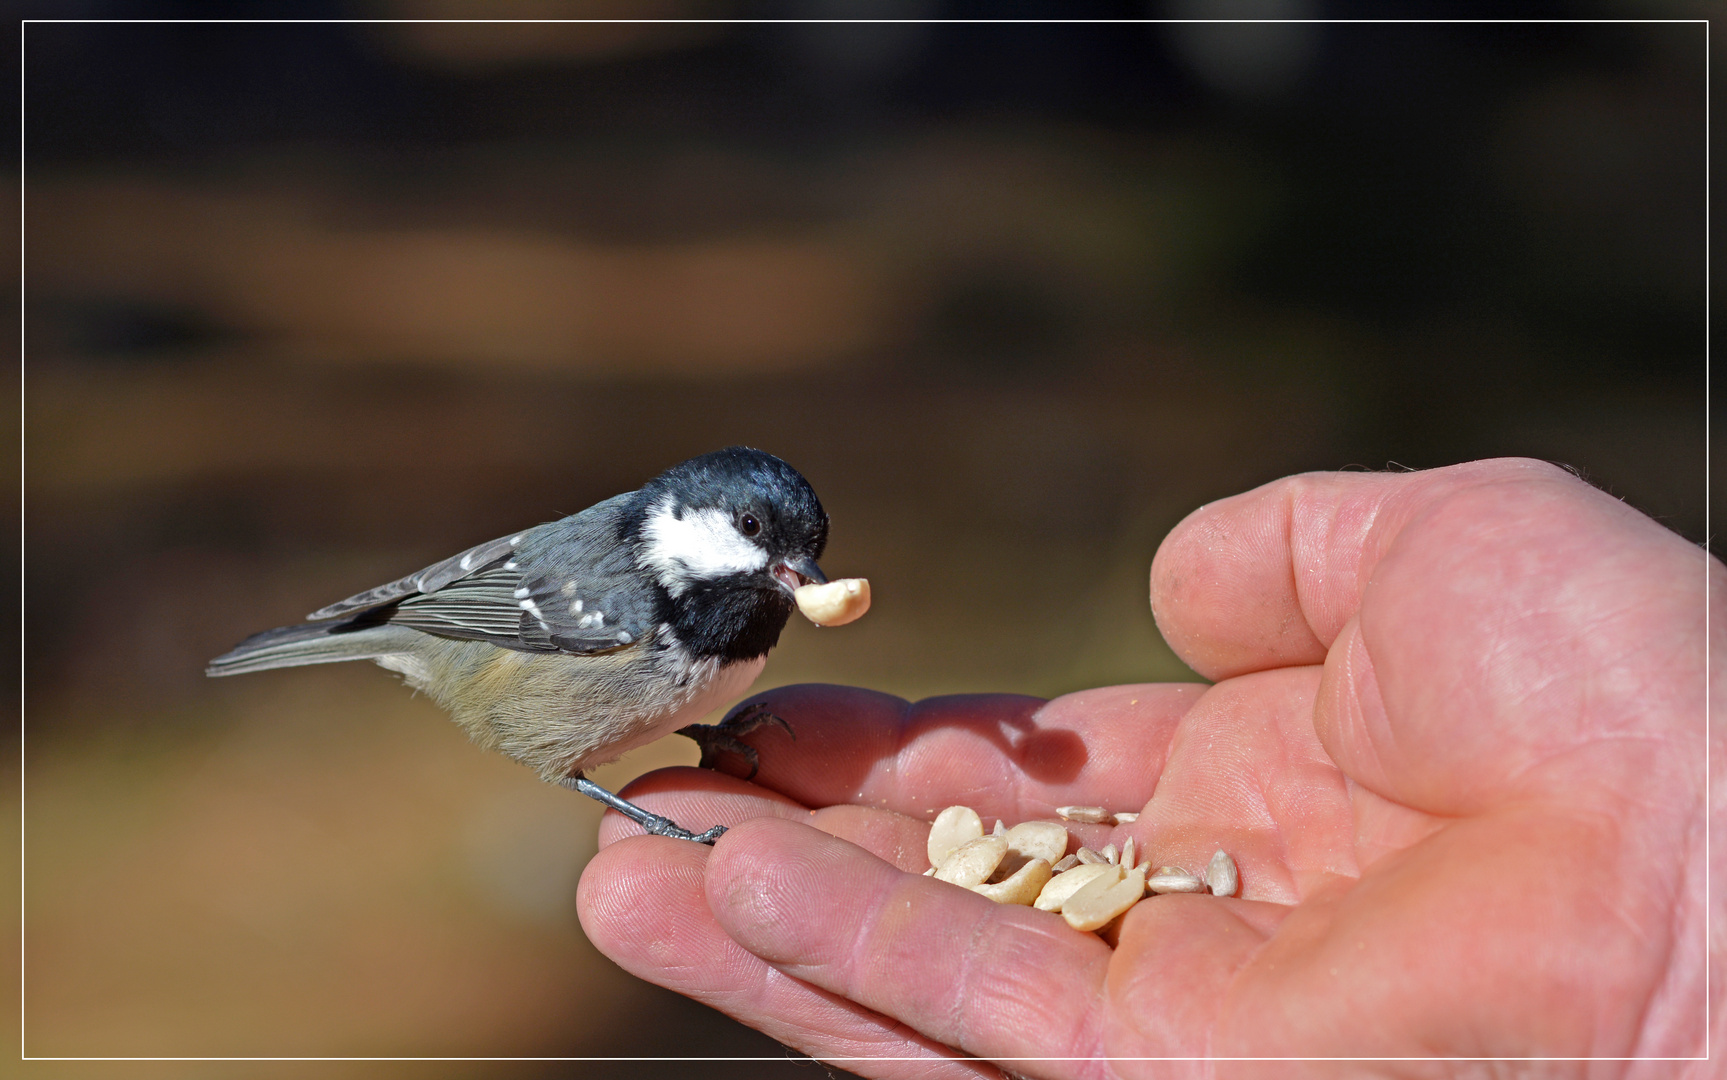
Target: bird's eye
[[748, 525]]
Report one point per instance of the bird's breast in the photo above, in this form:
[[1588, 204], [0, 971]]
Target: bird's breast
[[561, 714]]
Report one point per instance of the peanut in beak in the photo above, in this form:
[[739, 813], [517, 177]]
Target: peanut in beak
[[834, 604]]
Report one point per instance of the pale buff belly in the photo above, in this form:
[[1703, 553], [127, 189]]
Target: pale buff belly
[[561, 715]]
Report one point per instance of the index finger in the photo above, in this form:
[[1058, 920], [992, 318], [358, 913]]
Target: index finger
[[1004, 755]]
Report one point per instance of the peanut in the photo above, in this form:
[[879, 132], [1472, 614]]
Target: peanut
[[1100, 900], [1022, 887], [952, 829], [1063, 885], [1029, 864], [834, 604], [973, 863]]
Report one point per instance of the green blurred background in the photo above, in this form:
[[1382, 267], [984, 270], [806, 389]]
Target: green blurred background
[[310, 306]]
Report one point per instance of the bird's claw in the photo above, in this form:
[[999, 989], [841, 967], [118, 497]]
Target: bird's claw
[[667, 827], [723, 737]]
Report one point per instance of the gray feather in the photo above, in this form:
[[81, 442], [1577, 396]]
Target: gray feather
[[484, 606], [311, 643], [431, 579], [569, 586]]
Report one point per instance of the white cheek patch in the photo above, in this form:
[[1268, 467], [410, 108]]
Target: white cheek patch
[[700, 546]]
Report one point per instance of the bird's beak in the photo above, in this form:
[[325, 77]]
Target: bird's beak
[[798, 570]]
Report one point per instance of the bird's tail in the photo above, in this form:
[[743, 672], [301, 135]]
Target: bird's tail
[[311, 643]]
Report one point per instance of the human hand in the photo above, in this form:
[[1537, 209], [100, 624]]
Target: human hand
[[1455, 743]]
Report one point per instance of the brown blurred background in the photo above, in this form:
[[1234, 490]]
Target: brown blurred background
[[310, 306]]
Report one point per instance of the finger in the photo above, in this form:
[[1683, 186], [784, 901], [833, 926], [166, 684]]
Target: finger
[[996, 980], [641, 903], [1243, 772], [695, 799], [1267, 578], [700, 797], [1005, 756]]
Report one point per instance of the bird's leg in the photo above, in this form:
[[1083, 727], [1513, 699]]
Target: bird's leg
[[653, 823], [724, 736]]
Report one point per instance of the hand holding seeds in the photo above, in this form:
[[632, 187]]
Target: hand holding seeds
[[1452, 749]]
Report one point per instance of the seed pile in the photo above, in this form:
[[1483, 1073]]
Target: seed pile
[[1029, 864]]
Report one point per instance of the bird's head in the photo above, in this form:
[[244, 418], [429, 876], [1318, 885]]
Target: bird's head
[[735, 519]]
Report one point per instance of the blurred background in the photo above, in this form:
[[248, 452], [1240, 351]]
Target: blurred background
[[309, 306]]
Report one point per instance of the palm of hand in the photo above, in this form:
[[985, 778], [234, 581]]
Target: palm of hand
[[1455, 744]]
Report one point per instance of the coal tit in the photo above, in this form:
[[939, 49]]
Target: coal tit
[[567, 644]]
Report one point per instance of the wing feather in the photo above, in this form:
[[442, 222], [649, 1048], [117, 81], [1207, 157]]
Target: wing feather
[[482, 606], [434, 577], [570, 586]]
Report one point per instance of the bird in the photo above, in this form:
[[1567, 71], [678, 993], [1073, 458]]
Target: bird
[[567, 644]]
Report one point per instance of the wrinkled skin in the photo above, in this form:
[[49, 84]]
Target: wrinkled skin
[[1455, 741]]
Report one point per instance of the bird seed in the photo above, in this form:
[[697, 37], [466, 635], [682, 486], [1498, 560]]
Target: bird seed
[[1029, 864], [1065, 884], [1179, 882], [973, 863], [1100, 899], [953, 829], [1021, 887], [1221, 876], [1091, 815], [834, 604]]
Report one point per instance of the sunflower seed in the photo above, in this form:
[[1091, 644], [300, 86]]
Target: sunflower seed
[[1221, 876], [1093, 815], [1162, 882]]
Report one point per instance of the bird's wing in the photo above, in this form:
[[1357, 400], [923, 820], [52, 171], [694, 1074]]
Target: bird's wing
[[567, 587], [434, 577], [475, 560], [588, 606]]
